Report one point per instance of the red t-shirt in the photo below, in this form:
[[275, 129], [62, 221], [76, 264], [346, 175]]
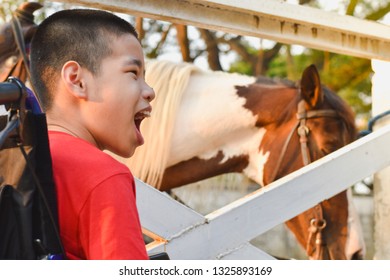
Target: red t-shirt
[[98, 218]]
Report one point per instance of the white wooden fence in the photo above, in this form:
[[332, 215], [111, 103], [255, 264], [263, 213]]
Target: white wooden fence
[[225, 233], [270, 19]]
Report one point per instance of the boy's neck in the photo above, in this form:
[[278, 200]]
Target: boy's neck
[[60, 128]]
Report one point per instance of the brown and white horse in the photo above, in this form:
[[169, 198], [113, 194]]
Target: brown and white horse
[[208, 123]]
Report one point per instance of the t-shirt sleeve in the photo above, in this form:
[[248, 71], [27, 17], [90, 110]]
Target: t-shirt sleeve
[[109, 223]]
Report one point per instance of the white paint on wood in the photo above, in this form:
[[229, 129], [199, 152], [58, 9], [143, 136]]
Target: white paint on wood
[[246, 251], [275, 20], [162, 215]]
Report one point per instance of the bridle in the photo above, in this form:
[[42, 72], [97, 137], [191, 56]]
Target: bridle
[[318, 223], [303, 132]]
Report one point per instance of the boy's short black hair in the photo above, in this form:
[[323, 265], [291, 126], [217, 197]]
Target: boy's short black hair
[[82, 35]]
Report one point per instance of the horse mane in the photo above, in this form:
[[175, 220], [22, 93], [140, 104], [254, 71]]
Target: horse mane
[[149, 161]]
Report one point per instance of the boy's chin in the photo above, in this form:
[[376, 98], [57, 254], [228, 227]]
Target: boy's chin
[[123, 153], [126, 154]]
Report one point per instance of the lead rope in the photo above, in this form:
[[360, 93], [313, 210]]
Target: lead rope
[[317, 225]]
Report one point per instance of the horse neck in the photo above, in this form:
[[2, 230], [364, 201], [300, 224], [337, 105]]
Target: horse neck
[[210, 113], [219, 124], [272, 104]]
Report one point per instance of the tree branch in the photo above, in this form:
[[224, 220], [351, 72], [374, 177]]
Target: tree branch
[[183, 42], [212, 49]]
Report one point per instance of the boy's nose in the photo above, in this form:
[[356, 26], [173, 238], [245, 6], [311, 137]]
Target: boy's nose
[[149, 93]]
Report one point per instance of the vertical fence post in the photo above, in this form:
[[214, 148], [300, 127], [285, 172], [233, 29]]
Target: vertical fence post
[[380, 104]]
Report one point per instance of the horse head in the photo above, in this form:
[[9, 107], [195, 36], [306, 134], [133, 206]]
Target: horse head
[[322, 124]]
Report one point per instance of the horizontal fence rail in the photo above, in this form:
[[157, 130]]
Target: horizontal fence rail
[[274, 20]]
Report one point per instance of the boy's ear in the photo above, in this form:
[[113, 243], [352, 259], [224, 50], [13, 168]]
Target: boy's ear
[[72, 76]]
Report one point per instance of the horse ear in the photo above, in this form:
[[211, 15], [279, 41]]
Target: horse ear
[[311, 89]]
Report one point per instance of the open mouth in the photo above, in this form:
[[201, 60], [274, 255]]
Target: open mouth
[[140, 116]]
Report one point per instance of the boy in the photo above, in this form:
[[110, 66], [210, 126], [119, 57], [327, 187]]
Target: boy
[[88, 70]]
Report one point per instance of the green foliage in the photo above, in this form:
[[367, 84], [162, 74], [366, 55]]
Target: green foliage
[[351, 78], [242, 67], [278, 67]]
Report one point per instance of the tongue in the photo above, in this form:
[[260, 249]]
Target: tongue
[[140, 138]]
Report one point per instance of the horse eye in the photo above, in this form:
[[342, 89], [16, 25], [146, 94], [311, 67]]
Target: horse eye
[[325, 151], [330, 147]]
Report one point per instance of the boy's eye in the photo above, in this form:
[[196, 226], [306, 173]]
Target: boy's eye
[[134, 72]]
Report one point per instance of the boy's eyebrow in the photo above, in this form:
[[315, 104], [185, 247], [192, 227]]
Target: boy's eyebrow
[[135, 61], [132, 61]]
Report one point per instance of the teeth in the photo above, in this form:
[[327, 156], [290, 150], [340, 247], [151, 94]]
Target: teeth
[[142, 115]]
